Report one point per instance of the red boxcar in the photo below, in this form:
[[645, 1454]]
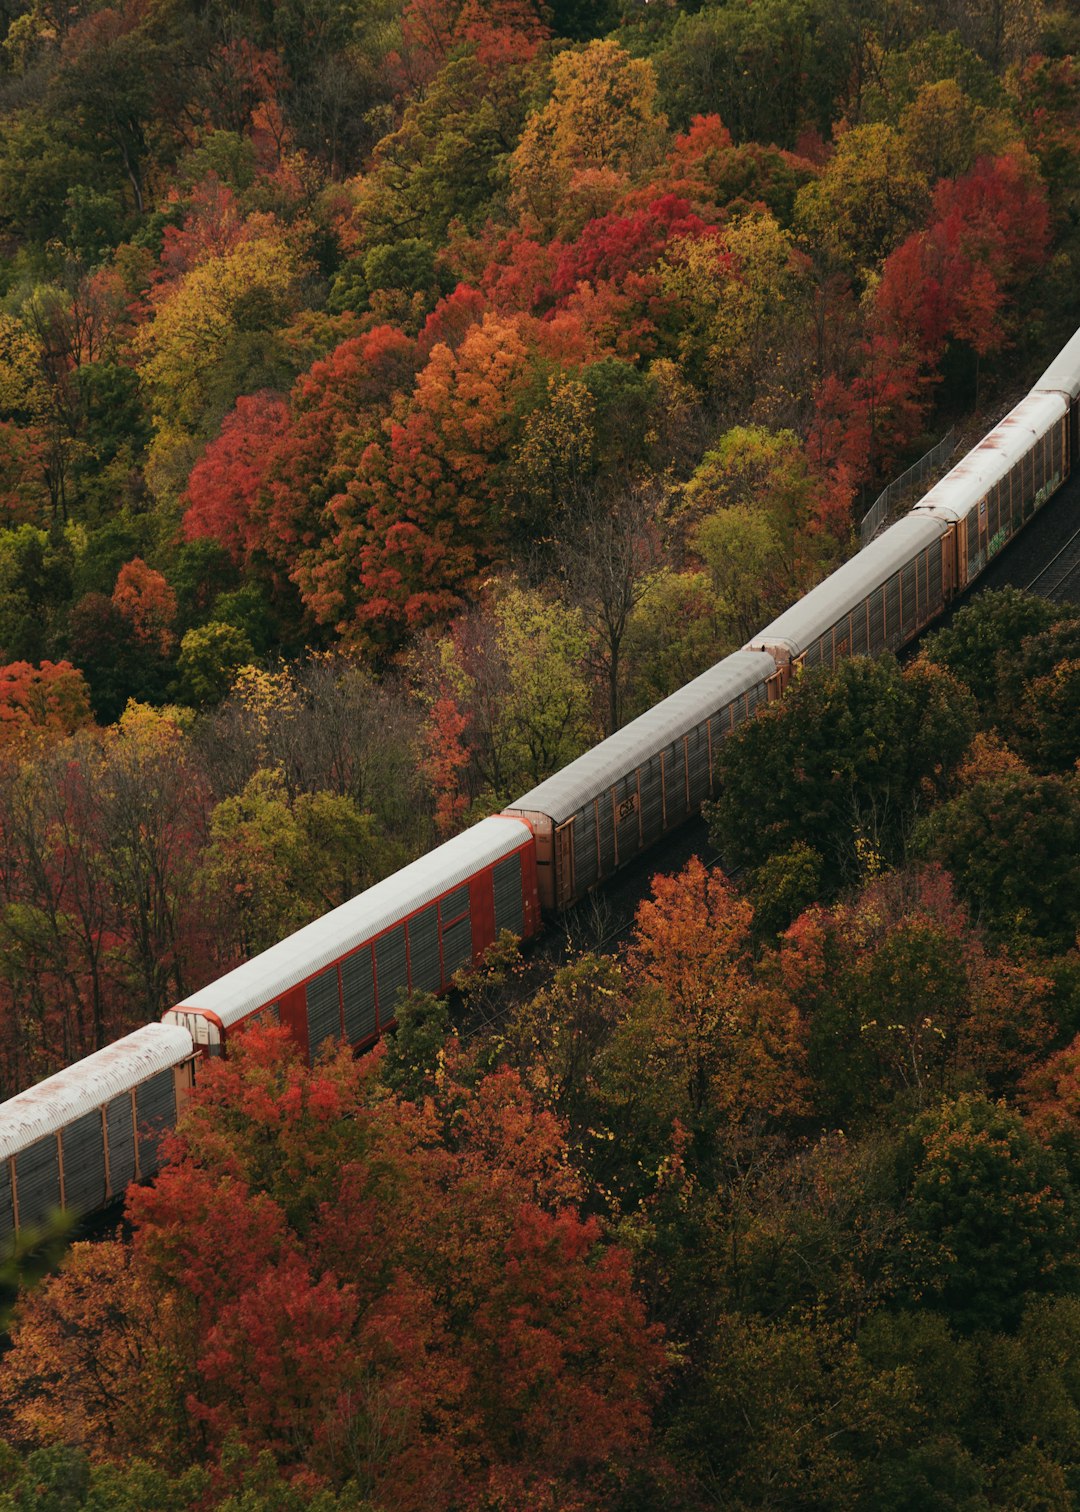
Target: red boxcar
[[340, 976]]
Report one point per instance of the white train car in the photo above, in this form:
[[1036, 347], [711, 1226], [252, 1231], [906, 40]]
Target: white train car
[[875, 602], [77, 1139], [339, 977], [1000, 484], [631, 789]]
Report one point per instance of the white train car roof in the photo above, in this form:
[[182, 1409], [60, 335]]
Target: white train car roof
[[962, 487], [848, 587], [595, 772], [304, 954], [79, 1089], [1063, 374]]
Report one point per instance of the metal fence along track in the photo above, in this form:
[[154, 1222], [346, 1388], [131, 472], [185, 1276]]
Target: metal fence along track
[[907, 484]]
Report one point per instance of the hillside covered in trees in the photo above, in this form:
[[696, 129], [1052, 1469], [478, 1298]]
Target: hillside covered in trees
[[397, 396], [777, 1207]]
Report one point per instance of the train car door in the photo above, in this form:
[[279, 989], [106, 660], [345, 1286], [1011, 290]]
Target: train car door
[[563, 861]]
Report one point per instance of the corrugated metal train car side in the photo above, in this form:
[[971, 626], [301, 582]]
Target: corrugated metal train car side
[[339, 977], [995, 489], [77, 1139], [632, 789]]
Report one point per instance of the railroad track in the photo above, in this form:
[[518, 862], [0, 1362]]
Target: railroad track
[[1055, 577]]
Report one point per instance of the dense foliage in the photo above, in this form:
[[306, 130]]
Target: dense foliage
[[330, 328], [395, 397], [777, 1207]]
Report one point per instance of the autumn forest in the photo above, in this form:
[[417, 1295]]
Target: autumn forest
[[396, 398]]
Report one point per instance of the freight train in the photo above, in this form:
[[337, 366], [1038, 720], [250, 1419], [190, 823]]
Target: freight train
[[76, 1140]]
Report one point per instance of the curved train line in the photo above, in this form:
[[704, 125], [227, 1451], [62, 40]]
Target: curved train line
[[77, 1139]]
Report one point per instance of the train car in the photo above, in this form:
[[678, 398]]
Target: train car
[[339, 977], [1063, 377], [76, 1140], [875, 602], [624, 794], [999, 484]]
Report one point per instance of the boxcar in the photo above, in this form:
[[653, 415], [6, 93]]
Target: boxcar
[[1000, 484], [76, 1140], [598, 812], [875, 602], [1063, 377], [339, 977]]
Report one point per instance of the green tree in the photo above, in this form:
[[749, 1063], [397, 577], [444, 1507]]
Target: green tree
[[993, 623], [35, 583], [766, 70], [214, 335], [209, 657], [789, 1415], [997, 1205], [868, 198], [1013, 845], [843, 765], [676, 631]]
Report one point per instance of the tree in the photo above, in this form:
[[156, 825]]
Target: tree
[[224, 484], [35, 580], [677, 630], [745, 558], [209, 657], [605, 559], [120, 116], [431, 29], [767, 72], [447, 160], [866, 418], [444, 759], [67, 1382], [997, 1205], [807, 1420], [499, 1352], [734, 1044], [275, 861], [519, 664], [1049, 730], [556, 1039], [117, 665], [1013, 844], [143, 596], [51, 700], [601, 117], [994, 623], [706, 165], [214, 335], [844, 764], [420, 519], [904, 1000], [946, 131], [867, 199], [988, 236]]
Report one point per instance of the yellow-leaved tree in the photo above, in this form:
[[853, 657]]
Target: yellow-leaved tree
[[216, 333], [602, 118]]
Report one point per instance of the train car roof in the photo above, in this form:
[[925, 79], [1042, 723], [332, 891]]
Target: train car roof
[[89, 1083], [1063, 374], [847, 587], [964, 485], [304, 954], [621, 753]]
